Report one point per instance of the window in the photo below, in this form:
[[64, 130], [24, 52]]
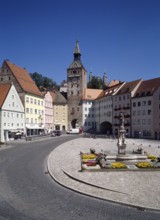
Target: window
[[31, 110], [149, 102], [27, 120], [134, 104], [38, 102], [139, 112], [27, 100], [139, 103], [4, 114], [35, 101], [1, 79], [31, 100], [35, 111], [144, 103], [41, 103], [12, 96], [17, 115], [143, 112], [149, 112], [27, 110], [139, 121], [13, 104], [143, 121]]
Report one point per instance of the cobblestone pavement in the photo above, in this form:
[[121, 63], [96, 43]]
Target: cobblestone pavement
[[139, 189]]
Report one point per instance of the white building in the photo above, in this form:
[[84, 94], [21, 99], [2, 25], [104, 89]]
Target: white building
[[88, 108], [12, 120], [122, 103], [104, 109], [146, 110]]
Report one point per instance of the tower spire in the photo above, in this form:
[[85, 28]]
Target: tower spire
[[77, 54]]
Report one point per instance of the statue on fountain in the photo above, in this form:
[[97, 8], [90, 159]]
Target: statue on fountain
[[121, 135]]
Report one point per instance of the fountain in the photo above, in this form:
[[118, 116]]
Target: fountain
[[127, 158]]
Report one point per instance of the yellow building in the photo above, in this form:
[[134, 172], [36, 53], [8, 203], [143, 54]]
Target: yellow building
[[60, 112], [34, 113]]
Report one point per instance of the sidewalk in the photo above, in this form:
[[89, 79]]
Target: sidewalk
[[137, 189]]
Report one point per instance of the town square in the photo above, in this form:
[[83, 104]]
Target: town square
[[79, 110]]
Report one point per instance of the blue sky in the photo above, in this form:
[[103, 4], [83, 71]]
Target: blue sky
[[119, 37]]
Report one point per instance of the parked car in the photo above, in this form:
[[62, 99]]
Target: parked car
[[73, 131], [56, 133]]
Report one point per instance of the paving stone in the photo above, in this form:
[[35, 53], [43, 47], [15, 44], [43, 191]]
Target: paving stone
[[126, 187]]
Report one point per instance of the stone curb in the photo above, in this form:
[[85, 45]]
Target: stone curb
[[73, 181]]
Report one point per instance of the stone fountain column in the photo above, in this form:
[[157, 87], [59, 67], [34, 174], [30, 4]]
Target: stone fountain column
[[121, 135]]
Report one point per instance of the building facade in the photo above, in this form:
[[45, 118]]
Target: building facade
[[12, 120], [29, 94], [146, 110], [48, 102], [60, 112]]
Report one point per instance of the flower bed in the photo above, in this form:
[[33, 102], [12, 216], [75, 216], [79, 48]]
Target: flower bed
[[88, 156], [144, 165], [94, 161], [152, 157], [118, 165]]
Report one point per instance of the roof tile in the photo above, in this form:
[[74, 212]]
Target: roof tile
[[24, 79], [4, 89]]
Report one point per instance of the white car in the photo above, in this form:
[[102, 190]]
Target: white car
[[73, 131]]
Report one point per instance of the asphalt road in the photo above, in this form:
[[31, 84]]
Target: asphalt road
[[27, 192]]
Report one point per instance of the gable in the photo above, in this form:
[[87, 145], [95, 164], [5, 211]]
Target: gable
[[12, 101]]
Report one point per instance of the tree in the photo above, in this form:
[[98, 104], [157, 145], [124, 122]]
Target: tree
[[38, 78], [44, 82], [95, 83]]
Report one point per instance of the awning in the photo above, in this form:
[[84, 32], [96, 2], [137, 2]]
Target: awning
[[34, 126], [15, 130]]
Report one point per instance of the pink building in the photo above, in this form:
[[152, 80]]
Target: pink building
[[48, 112]]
